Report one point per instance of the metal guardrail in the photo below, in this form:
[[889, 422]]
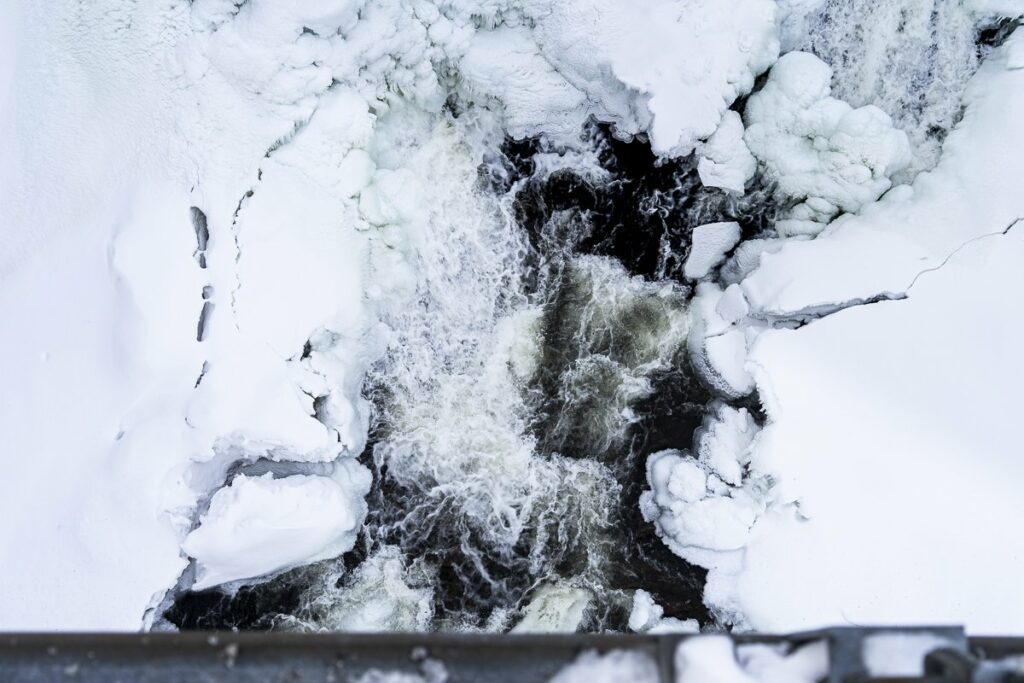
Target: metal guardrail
[[253, 657]]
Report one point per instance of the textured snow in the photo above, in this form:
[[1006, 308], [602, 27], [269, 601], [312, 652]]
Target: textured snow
[[704, 504], [670, 69], [971, 192], [820, 150], [913, 63], [890, 438], [724, 160]]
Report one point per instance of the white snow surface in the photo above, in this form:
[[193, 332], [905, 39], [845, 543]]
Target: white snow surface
[[614, 666], [891, 440]]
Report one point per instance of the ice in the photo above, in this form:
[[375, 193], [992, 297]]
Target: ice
[[646, 616], [725, 161], [708, 502], [882, 414], [913, 63], [710, 243], [557, 63], [971, 192], [261, 525], [718, 346], [820, 150]]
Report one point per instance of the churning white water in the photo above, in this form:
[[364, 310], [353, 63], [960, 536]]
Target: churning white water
[[501, 406]]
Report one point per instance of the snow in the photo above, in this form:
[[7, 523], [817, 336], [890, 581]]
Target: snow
[[647, 616], [971, 192], [717, 344], [709, 245], [890, 440], [724, 160], [670, 69], [705, 505], [716, 659], [262, 525], [903, 402], [709, 659], [820, 150]]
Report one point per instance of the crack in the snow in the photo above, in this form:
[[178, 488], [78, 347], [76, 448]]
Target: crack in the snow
[[798, 319], [956, 251], [297, 127]]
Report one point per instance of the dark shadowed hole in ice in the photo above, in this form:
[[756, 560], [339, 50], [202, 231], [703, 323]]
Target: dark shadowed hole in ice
[[641, 215]]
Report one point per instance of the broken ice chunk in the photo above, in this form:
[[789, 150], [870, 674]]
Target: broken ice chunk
[[725, 161], [710, 244], [262, 525], [646, 617]]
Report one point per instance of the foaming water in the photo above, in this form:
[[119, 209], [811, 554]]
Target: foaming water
[[532, 366]]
